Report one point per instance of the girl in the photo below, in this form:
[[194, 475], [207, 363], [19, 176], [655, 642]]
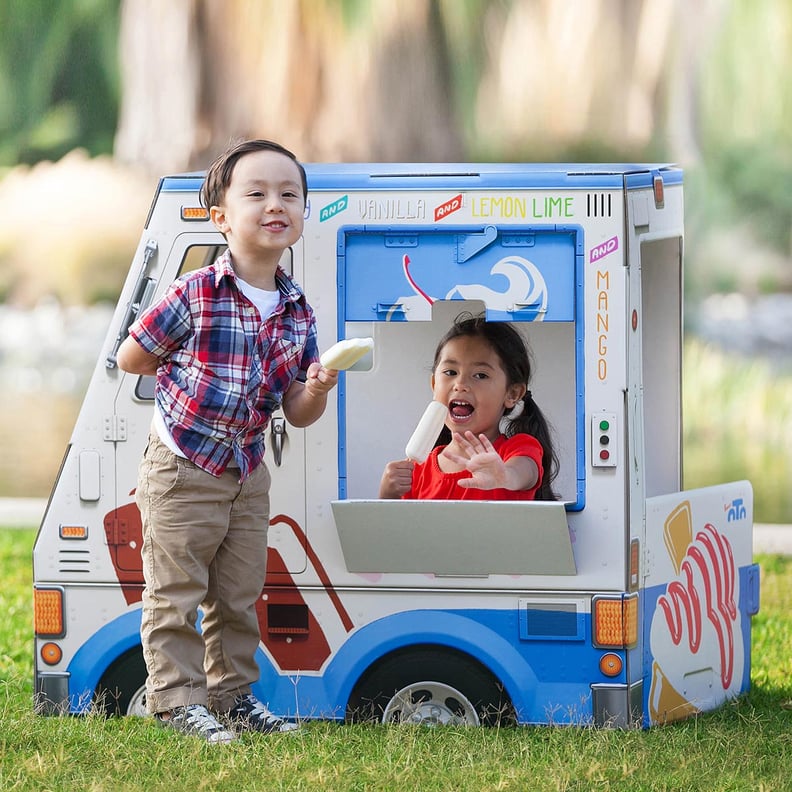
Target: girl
[[496, 443]]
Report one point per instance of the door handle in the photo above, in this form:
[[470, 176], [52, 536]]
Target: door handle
[[278, 435]]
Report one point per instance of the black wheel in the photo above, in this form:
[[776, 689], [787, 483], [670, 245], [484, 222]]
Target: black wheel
[[430, 685], [122, 689]]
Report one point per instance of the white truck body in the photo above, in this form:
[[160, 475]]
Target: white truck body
[[626, 603]]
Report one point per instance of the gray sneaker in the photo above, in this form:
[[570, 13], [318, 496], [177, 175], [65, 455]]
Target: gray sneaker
[[196, 720], [249, 714]]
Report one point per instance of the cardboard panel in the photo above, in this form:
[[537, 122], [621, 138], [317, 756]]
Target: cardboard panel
[[455, 537]]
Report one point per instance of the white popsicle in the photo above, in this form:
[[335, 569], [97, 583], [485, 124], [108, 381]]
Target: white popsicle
[[346, 353], [425, 434]]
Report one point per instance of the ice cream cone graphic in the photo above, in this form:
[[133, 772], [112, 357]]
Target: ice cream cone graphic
[[678, 533], [666, 704]]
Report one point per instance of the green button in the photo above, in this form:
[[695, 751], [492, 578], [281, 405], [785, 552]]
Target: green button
[[604, 426]]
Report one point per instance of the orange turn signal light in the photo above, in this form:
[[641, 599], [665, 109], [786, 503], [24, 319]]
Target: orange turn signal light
[[194, 213], [51, 653], [48, 612], [615, 621], [611, 664]]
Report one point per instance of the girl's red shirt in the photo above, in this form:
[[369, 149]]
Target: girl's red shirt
[[431, 483]]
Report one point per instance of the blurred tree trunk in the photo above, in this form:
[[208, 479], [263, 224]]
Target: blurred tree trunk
[[197, 75], [161, 84], [415, 80], [699, 26], [575, 74]]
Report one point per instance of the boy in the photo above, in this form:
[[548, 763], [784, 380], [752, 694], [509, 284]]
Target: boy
[[229, 344]]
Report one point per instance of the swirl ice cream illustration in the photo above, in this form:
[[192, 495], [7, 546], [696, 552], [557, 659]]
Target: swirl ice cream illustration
[[525, 290]]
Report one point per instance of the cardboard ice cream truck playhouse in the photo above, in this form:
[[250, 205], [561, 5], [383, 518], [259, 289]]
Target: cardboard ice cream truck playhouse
[[627, 602]]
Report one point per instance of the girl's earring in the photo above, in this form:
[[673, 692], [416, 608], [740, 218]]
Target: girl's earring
[[512, 415]]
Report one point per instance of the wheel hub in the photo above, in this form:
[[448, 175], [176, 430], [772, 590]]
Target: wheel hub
[[430, 704]]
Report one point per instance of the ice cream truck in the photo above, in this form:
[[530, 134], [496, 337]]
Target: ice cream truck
[[627, 602]]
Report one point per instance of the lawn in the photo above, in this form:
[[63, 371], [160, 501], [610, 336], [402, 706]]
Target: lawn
[[744, 746]]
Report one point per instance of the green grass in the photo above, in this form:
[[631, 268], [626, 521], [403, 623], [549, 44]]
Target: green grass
[[743, 746]]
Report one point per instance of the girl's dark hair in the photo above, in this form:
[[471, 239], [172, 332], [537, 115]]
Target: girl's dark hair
[[515, 358], [218, 177]]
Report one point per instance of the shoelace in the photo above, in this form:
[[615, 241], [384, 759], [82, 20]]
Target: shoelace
[[252, 708], [197, 718]]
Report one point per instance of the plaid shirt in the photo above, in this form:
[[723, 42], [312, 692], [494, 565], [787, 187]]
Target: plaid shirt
[[223, 370]]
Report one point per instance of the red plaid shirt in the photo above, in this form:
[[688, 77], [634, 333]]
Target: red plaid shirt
[[223, 369]]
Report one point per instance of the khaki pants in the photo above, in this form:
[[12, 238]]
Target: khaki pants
[[204, 544]]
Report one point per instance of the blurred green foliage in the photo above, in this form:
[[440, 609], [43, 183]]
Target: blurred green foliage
[[738, 425], [745, 120], [759, 176], [59, 81]]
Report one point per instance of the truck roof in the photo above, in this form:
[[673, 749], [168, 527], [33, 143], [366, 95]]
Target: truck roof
[[365, 175]]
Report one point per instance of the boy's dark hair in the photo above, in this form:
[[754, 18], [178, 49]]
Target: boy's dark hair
[[218, 177], [515, 357]]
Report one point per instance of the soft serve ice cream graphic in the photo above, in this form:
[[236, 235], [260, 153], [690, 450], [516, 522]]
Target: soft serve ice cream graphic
[[526, 289], [696, 638]]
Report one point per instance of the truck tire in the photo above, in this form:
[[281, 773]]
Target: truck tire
[[122, 688], [430, 685]]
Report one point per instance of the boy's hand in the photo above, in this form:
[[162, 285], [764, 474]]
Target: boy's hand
[[396, 478], [319, 380], [304, 402]]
